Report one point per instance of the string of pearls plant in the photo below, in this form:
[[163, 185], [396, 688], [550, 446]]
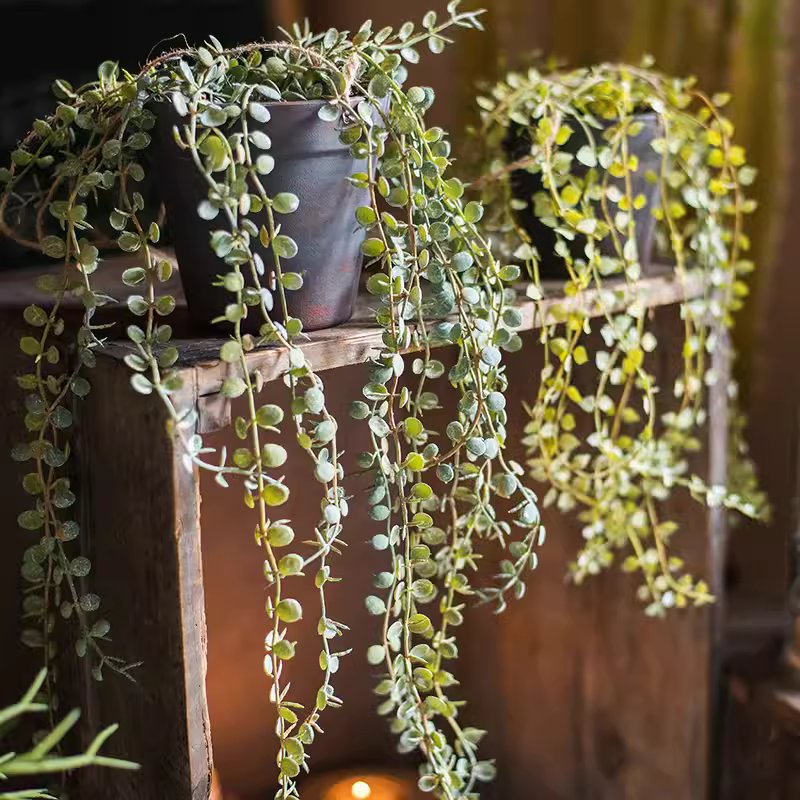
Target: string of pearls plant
[[433, 497], [566, 166]]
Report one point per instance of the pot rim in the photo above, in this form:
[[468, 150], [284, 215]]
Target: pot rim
[[318, 101], [278, 103]]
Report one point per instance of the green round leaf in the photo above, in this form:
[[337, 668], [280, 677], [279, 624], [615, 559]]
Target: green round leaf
[[280, 535], [289, 611], [265, 164], [269, 416], [373, 247], [473, 211], [259, 112], [285, 203], [291, 280], [375, 605], [284, 247], [275, 494], [273, 455], [283, 649]]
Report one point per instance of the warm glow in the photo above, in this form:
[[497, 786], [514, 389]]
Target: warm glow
[[360, 790]]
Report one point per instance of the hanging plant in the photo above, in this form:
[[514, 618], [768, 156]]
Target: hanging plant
[[222, 113], [592, 176]]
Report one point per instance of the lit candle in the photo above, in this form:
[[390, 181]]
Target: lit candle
[[363, 785]]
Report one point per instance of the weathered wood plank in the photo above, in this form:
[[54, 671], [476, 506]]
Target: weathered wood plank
[[140, 527], [355, 341]]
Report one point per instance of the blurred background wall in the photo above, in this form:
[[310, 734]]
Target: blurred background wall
[[748, 47]]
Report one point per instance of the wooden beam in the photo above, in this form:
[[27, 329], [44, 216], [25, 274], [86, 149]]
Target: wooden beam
[[357, 341]]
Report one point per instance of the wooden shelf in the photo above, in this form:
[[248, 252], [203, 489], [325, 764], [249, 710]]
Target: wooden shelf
[[351, 343]]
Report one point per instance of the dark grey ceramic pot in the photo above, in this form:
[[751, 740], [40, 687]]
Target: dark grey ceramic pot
[[524, 185], [310, 162]]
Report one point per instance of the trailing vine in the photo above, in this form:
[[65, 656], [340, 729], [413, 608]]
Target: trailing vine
[[436, 282], [563, 159]]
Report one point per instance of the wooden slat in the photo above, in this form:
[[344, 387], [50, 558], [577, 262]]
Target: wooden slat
[[358, 340], [140, 525]]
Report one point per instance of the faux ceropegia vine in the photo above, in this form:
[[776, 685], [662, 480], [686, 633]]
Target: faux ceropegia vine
[[641, 434], [433, 495]]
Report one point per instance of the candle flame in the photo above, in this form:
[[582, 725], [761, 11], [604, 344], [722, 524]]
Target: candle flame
[[360, 790]]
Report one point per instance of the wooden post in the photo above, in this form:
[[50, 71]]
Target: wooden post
[[141, 529]]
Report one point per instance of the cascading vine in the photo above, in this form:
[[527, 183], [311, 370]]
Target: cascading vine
[[437, 495], [641, 435]]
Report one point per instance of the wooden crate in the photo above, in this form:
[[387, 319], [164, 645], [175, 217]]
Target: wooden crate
[[583, 696]]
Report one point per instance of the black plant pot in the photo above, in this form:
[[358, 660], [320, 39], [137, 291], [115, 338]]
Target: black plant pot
[[310, 162], [525, 184]]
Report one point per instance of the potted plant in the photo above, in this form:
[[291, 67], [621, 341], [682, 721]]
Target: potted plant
[[618, 155], [235, 131]]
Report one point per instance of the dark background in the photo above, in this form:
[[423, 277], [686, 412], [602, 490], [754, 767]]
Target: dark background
[[48, 39]]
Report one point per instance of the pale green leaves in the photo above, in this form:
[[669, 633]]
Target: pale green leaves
[[285, 203], [372, 248], [280, 535], [30, 520], [259, 112], [233, 387], [30, 346], [129, 242], [284, 246], [375, 654], [261, 140], [587, 156], [473, 211], [269, 416], [213, 117], [231, 352], [264, 164], [207, 210], [325, 471], [292, 281], [289, 611], [54, 247], [141, 384], [378, 283], [179, 104], [329, 112], [375, 605], [366, 216], [273, 456], [275, 494]]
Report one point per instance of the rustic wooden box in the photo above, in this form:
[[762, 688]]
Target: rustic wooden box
[[583, 696]]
